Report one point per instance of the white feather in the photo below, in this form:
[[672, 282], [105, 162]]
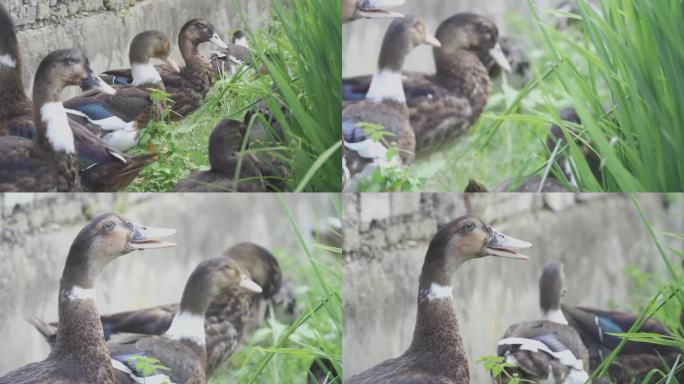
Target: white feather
[[438, 291], [8, 61], [122, 140], [386, 85], [189, 326], [145, 74], [80, 293], [554, 315], [242, 42], [565, 357], [58, 131]]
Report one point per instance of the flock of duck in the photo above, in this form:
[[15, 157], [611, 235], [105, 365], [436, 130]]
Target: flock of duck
[[420, 112], [80, 144], [223, 300], [565, 345]]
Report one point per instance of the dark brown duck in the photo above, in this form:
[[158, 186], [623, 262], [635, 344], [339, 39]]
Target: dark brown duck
[[80, 354], [436, 354], [182, 348], [384, 104], [224, 157]]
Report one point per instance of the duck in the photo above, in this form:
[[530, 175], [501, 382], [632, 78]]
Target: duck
[[442, 106], [101, 168], [230, 316], [384, 104], [16, 110], [436, 354], [118, 119], [230, 59], [80, 354], [189, 86], [322, 371], [369, 9], [546, 350], [50, 162], [567, 180], [224, 155], [182, 347]]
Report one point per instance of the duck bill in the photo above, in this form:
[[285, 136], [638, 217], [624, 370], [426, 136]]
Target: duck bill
[[499, 57], [431, 40], [501, 245], [249, 284], [94, 81], [217, 40], [375, 9], [172, 63], [145, 237]]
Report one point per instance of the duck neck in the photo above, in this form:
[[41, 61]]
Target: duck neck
[[145, 73], [188, 48], [462, 72], [386, 83], [436, 338], [188, 323], [80, 336], [49, 116]]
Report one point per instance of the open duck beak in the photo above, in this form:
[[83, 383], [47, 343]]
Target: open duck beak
[[505, 246], [431, 40], [148, 237], [217, 40], [249, 284], [94, 81], [499, 57], [374, 9], [172, 63]]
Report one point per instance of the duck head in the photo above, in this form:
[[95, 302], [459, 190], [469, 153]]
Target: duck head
[[259, 264], [369, 9], [402, 36], [551, 291], [471, 32], [106, 238], [144, 47], [224, 144], [221, 273], [240, 39], [199, 31]]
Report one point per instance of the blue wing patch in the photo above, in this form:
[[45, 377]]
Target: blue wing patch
[[352, 133], [551, 341], [350, 94], [95, 111], [607, 325]]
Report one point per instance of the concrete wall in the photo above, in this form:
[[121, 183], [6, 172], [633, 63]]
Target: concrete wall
[[104, 29], [36, 232], [386, 237], [362, 38]]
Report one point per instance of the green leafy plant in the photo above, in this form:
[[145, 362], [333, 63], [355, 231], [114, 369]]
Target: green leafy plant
[[496, 366], [147, 366]]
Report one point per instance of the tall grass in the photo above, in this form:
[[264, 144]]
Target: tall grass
[[283, 352], [634, 51], [299, 46]]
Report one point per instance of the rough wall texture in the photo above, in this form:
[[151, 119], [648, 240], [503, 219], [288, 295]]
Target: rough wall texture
[[105, 28], [36, 232], [362, 39], [595, 236]]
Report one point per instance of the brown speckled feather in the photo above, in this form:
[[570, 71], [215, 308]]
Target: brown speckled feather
[[209, 181]]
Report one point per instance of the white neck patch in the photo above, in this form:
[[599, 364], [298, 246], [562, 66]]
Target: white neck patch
[[242, 42], [7, 60], [145, 74], [386, 85], [186, 325], [554, 315], [80, 293], [58, 131], [437, 292]]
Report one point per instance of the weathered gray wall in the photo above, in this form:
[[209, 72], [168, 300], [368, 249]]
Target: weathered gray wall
[[36, 232], [595, 236], [104, 30], [362, 38]]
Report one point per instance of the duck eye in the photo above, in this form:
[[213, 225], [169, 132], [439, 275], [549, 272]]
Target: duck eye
[[108, 226], [469, 226]]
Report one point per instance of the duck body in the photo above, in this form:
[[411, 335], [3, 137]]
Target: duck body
[[436, 354], [224, 156], [80, 354], [545, 351]]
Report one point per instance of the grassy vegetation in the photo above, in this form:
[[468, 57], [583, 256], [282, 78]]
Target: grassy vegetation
[[629, 58], [282, 351], [655, 295], [300, 48]]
